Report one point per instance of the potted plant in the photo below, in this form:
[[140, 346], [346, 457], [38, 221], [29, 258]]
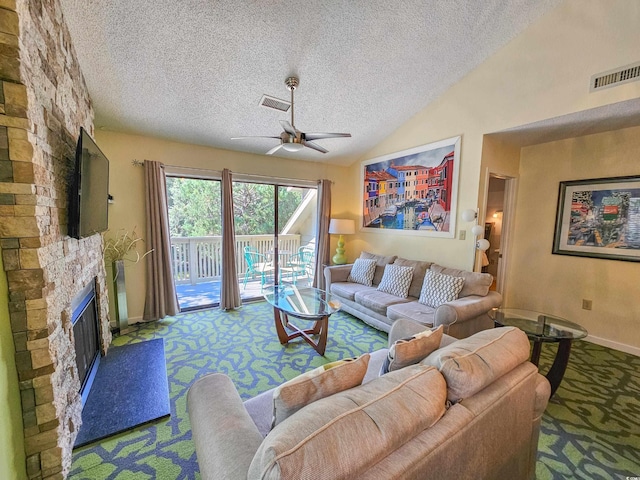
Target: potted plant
[[121, 248]]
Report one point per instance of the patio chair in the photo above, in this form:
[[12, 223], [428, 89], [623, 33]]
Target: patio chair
[[299, 264], [257, 264]]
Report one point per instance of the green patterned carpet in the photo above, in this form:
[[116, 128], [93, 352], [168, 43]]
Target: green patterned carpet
[[590, 429]]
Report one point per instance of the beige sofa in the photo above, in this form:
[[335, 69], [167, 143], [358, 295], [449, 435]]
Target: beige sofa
[[470, 410], [462, 317]]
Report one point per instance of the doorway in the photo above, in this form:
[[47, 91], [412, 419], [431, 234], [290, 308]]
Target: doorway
[[499, 207]]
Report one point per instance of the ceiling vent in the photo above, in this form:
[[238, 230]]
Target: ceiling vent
[[618, 76], [275, 103]]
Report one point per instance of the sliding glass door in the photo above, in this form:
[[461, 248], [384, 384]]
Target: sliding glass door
[[195, 223], [273, 222], [274, 228]]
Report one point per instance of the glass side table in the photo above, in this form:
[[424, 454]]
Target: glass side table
[[541, 328]]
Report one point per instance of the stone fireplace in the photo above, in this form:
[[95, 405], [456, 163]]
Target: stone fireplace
[[43, 103]]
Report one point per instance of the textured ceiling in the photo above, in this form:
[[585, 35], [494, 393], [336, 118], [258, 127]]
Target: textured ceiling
[[194, 70]]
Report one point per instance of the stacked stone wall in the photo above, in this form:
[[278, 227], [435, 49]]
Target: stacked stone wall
[[43, 104]]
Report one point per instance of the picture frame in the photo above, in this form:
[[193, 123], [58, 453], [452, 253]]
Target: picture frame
[[412, 192], [599, 218]]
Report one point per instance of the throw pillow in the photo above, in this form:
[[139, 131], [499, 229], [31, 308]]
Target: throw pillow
[[362, 271], [438, 288], [396, 280], [321, 382], [412, 350]]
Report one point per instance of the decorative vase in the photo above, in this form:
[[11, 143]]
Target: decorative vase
[[122, 316]]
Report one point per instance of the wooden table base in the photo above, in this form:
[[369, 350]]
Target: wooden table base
[[319, 329], [556, 372]]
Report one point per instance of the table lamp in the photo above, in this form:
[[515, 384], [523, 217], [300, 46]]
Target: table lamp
[[341, 226]]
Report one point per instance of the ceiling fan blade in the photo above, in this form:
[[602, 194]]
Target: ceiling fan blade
[[288, 128], [255, 136], [315, 146], [320, 135], [274, 149]]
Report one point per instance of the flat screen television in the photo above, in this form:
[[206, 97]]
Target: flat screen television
[[89, 195]]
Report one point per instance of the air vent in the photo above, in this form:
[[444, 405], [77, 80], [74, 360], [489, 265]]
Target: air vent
[[275, 103], [618, 76]]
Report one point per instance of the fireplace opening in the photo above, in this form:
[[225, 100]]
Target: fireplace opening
[[86, 332]]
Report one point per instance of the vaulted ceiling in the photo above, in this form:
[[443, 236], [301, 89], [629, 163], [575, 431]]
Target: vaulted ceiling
[[195, 70]]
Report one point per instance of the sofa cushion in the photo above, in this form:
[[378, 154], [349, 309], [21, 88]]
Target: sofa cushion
[[470, 364], [348, 290], [438, 289], [396, 280], [419, 269], [378, 301], [409, 351], [343, 435], [416, 311], [362, 271], [475, 283], [381, 261], [318, 383]]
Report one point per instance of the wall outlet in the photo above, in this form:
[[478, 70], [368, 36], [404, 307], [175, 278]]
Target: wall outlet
[[463, 234], [586, 304]]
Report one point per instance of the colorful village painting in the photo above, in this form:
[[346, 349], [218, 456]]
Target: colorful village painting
[[600, 219], [414, 190]]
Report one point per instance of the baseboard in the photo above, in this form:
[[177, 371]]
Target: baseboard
[[631, 350]]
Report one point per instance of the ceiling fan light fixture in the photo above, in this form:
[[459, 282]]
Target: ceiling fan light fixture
[[292, 147]]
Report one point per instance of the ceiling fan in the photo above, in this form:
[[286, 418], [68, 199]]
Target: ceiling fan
[[292, 139]]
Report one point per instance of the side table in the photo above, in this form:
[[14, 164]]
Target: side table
[[541, 327]]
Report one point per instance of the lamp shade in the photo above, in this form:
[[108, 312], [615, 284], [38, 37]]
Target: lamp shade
[[342, 226], [483, 244], [469, 215], [477, 230]]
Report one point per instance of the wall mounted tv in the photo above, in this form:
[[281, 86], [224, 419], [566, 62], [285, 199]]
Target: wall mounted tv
[[89, 194]]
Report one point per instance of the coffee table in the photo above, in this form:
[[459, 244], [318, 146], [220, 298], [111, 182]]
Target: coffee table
[[306, 304], [542, 327]]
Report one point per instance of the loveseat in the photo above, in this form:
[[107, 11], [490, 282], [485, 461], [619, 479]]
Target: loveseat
[[470, 410], [461, 317]]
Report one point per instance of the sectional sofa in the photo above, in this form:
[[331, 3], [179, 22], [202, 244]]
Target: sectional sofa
[[471, 409], [464, 316]]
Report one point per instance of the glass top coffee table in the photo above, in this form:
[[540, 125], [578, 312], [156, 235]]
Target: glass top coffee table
[[306, 304], [542, 327]]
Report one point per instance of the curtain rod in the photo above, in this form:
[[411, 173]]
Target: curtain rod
[[244, 176]]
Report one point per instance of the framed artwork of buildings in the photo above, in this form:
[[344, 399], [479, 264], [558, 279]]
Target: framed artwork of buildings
[[413, 191]]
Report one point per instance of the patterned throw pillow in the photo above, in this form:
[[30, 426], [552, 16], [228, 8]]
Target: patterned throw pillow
[[396, 280], [412, 350], [362, 271], [320, 382], [438, 288]]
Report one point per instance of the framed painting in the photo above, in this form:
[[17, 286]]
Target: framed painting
[[414, 191], [599, 218]]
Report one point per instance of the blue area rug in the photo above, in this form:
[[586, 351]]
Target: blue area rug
[[130, 389]]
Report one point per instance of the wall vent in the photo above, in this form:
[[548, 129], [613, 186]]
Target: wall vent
[[275, 103], [618, 76]]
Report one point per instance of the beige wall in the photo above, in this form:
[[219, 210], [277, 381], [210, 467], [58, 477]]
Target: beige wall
[[558, 283], [127, 184], [543, 73], [12, 458]]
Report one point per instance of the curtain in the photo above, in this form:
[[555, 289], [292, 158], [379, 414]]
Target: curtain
[[160, 296], [322, 232], [230, 289]]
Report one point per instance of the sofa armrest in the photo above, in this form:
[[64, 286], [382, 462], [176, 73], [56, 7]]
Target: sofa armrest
[[465, 308], [336, 273], [226, 438]]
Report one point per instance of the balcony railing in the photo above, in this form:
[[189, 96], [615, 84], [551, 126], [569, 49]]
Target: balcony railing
[[199, 259]]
